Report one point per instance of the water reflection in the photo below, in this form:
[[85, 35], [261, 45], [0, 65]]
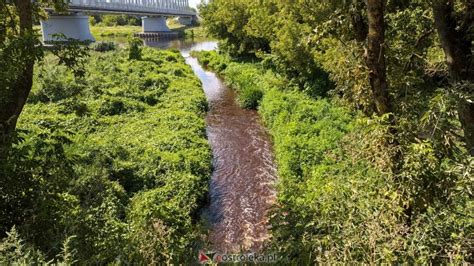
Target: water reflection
[[181, 44]]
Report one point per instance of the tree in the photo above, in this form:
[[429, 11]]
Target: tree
[[359, 23], [456, 37], [18, 43], [228, 21], [20, 48], [376, 56]]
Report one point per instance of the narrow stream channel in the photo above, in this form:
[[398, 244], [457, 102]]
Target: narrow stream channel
[[241, 188]]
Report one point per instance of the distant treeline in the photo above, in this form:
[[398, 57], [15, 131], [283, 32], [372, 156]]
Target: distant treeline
[[115, 20]]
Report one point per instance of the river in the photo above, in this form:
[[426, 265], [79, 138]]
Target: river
[[242, 184]]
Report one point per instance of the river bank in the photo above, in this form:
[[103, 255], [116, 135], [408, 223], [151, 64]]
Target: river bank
[[114, 164], [314, 149]]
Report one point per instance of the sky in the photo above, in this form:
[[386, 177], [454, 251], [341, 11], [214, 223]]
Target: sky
[[194, 3]]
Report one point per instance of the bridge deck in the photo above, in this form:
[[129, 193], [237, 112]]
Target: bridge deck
[[134, 7], [136, 12]]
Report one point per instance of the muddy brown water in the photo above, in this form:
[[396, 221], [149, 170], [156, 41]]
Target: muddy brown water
[[242, 184]]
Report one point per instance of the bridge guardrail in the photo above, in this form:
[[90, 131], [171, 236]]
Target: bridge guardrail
[[172, 7]]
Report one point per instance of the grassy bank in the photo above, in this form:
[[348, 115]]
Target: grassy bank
[[114, 165], [114, 31], [337, 200]]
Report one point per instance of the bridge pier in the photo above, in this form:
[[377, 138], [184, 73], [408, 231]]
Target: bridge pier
[[154, 24], [186, 21], [74, 26]]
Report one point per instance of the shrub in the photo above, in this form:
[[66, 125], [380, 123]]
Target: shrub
[[50, 89], [135, 50], [212, 60], [34, 178], [155, 81], [104, 46], [156, 214], [73, 105], [249, 98], [99, 226], [14, 251], [117, 106], [92, 21], [119, 20]]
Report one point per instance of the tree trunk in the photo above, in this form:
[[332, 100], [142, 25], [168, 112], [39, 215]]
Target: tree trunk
[[466, 116], [456, 43], [358, 22], [376, 56], [17, 92]]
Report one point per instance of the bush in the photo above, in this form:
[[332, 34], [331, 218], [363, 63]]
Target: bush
[[13, 251], [73, 105], [117, 106], [104, 46], [249, 98], [212, 60], [135, 50], [156, 214], [50, 89], [118, 20]]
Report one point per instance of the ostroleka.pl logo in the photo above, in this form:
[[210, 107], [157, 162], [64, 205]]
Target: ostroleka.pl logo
[[213, 257]]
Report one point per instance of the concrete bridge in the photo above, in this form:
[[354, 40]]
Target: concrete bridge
[[75, 25]]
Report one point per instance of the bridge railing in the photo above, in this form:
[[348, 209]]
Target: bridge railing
[[175, 7]]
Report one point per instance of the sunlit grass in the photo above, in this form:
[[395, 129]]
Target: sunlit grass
[[114, 31]]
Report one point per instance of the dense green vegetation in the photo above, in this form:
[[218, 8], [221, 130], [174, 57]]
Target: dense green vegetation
[[338, 200], [103, 158], [111, 167], [20, 49], [370, 104], [115, 20], [357, 184]]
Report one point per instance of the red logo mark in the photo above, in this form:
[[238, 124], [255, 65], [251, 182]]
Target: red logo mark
[[203, 258]]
